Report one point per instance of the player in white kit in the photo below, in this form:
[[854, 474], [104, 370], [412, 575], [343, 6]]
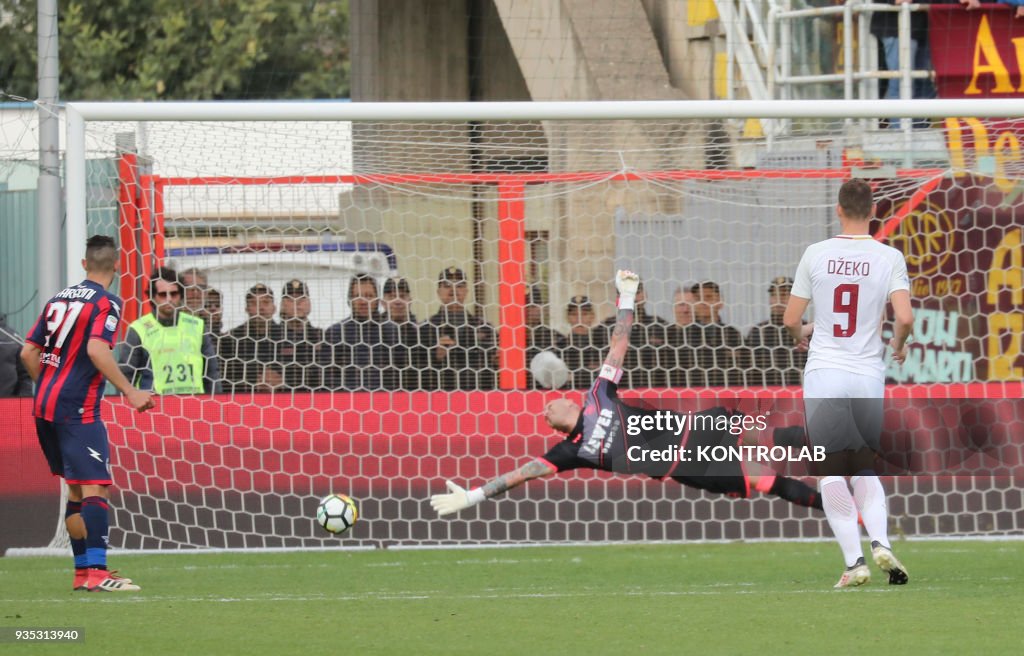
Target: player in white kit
[[850, 278]]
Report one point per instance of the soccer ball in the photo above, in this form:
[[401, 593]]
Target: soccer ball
[[337, 513], [549, 370]]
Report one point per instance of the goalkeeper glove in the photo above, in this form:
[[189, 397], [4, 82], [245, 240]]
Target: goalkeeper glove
[[627, 283], [457, 499]]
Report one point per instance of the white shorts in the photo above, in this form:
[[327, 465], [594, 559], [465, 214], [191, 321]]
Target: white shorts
[[842, 384], [843, 410]]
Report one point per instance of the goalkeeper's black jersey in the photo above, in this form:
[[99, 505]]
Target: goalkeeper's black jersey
[[601, 440]]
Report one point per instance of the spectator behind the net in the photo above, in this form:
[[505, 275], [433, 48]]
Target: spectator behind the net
[[775, 358], [683, 302], [885, 28], [271, 379], [582, 354], [462, 345], [717, 347], [357, 351], [194, 281], [169, 351], [651, 357], [212, 313], [1018, 4], [539, 337], [253, 343], [297, 351], [682, 306], [14, 378], [409, 354]]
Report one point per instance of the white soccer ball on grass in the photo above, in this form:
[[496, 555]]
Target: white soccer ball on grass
[[337, 513]]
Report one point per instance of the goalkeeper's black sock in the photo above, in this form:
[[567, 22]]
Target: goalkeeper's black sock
[[796, 492]]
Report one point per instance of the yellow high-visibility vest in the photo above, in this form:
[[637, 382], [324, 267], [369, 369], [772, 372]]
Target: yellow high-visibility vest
[[175, 353]]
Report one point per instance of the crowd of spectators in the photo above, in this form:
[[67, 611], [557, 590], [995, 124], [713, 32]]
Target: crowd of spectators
[[182, 347], [697, 349]]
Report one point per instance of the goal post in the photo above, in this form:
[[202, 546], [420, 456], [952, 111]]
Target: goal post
[[534, 206]]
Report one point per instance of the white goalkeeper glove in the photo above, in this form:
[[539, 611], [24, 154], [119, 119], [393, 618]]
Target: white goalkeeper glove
[[627, 283], [457, 499]]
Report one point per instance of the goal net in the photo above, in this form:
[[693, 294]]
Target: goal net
[[526, 219]]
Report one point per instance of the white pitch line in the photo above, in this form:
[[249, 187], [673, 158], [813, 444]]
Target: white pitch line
[[227, 566], [44, 551], [447, 596], [352, 565]]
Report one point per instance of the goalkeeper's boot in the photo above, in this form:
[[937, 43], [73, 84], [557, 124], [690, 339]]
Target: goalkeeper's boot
[[856, 574], [100, 580], [886, 559]]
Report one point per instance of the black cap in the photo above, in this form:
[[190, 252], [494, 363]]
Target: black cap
[[580, 301], [259, 289], [295, 288], [452, 275], [534, 296], [705, 284], [396, 285], [780, 281]]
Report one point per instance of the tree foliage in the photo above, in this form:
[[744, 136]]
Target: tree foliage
[[175, 50]]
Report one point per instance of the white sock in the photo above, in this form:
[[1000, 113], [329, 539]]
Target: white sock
[[842, 516], [870, 497]]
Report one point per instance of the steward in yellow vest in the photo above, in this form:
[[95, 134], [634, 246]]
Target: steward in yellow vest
[[168, 351], [175, 353]]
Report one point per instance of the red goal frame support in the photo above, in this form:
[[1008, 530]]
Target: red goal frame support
[[141, 225], [140, 233]]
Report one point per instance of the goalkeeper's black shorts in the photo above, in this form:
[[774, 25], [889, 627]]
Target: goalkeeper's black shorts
[[734, 486], [725, 476]]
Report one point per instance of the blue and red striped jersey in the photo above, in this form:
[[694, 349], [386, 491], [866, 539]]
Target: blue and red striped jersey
[[70, 387]]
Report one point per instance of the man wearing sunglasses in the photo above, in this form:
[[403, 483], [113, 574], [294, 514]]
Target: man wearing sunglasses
[[168, 351]]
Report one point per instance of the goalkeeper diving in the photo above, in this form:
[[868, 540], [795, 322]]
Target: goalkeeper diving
[[598, 436]]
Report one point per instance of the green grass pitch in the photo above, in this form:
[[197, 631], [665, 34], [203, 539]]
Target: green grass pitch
[[965, 597]]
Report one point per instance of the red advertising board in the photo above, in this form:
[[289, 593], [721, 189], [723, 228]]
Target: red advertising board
[[382, 444]]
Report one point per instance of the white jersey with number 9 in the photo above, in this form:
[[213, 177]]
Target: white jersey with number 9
[[848, 280]]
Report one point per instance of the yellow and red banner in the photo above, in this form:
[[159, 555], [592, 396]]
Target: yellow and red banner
[[964, 244], [977, 54]]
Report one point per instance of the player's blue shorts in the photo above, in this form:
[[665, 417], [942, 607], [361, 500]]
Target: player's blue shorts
[[78, 452]]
